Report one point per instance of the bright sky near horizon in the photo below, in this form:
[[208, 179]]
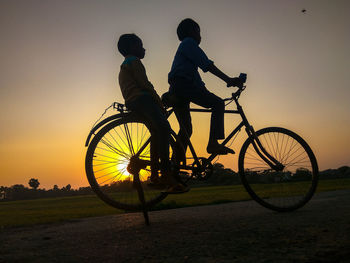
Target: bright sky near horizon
[[59, 66]]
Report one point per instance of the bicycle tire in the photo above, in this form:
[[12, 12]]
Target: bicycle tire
[[286, 190], [108, 155]]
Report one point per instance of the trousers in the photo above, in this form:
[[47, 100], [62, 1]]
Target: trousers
[[185, 92], [146, 107]]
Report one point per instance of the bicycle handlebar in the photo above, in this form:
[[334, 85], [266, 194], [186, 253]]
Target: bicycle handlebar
[[235, 95]]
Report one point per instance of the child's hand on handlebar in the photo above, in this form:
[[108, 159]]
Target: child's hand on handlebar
[[235, 82]]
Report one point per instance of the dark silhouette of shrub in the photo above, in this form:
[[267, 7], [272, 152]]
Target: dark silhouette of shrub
[[34, 183]]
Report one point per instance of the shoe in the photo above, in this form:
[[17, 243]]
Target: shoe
[[176, 189], [219, 149]]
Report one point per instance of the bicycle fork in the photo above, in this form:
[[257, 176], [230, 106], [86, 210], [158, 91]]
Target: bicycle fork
[[260, 150]]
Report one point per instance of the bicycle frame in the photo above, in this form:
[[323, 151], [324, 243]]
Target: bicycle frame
[[212, 156], [272, 162], [227, 139], [259, 171]]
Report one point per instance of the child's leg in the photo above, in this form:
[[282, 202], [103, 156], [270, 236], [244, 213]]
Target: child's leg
[[207, 99], [181, 88], [186, 92], [149, 109], [154, 152], [160, 137], [183, 116], [160, 129]]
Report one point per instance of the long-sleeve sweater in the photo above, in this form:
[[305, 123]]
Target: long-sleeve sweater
[[133, 80]]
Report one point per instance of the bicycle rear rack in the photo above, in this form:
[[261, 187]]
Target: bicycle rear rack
[[119, 107]]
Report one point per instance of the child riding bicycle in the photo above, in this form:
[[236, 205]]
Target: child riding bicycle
[[187, 86], [140, 97]]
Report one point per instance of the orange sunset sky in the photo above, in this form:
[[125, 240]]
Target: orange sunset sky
[[59, 66]]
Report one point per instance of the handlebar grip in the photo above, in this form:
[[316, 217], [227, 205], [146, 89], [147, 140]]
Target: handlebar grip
[[243, 77]]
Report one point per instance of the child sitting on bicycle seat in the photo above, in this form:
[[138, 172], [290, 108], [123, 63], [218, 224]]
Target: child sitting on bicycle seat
[[187, 86], [140, 97]]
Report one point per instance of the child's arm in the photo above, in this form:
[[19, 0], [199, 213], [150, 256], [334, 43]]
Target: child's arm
[[192, 51], [231, 82]]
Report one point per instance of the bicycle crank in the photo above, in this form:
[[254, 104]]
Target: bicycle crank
[[202, 171]]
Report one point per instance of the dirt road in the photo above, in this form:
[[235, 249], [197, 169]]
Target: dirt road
[[234, 232]]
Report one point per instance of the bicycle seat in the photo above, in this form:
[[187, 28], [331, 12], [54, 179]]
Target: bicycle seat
[[169, 100]]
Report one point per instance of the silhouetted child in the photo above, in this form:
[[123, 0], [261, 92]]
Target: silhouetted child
[[187, 85], [140, 97]]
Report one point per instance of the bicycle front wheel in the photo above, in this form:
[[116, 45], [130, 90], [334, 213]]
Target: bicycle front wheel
[[284, 190], [108, 157]]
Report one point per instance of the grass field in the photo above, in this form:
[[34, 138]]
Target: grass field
[[29, 212]]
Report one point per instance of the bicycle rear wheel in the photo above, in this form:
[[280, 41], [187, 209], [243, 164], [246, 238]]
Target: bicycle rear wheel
[[108, 157], [284, 190]]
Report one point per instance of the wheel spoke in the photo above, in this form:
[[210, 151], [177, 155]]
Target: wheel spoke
[[128, 137]]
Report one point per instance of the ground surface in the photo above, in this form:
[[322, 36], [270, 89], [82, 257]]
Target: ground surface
[[233, 232]]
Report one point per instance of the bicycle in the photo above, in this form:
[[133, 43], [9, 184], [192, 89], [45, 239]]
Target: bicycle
[[276, 166]]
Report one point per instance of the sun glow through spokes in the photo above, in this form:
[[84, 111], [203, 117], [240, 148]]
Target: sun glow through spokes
[[119, 145], [122, 167], [114, 150]]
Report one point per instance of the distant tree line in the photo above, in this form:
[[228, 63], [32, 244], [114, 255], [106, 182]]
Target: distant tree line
[[226, 176], [341, 172], [223, 176], [220, 176], [20, 192]]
